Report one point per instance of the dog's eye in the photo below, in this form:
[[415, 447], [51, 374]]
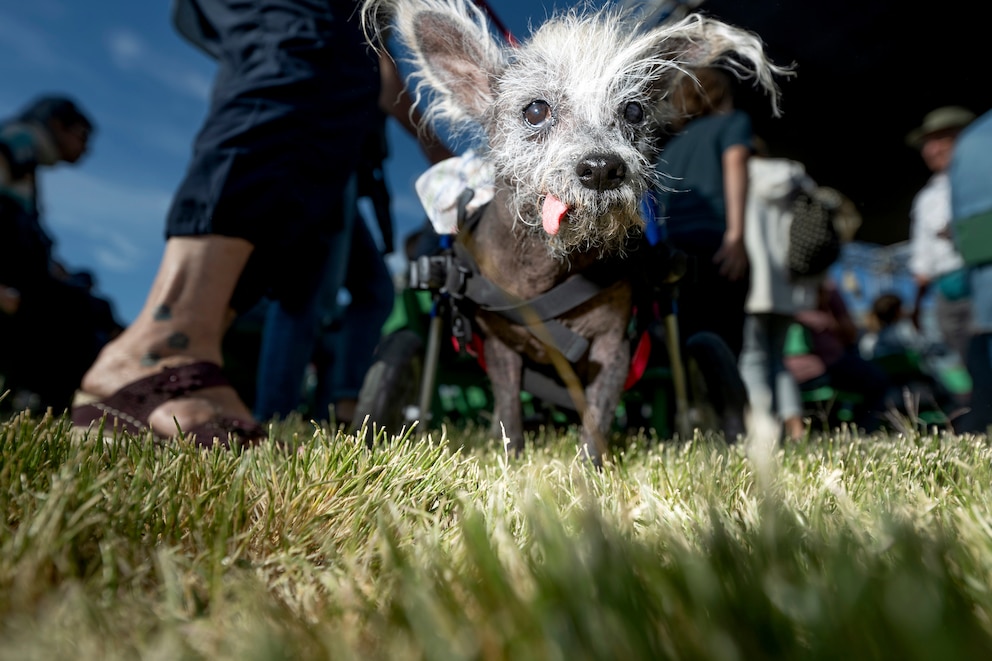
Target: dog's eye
[[537, 113], [633, 112]]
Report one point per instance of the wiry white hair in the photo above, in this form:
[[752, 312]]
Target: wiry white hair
[[404, 18], [590, 68]]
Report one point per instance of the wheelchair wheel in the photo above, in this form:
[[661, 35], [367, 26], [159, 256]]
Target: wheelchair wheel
[[391, 385], [718, 396]]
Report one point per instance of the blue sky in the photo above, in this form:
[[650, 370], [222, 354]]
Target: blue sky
[[147, 90]]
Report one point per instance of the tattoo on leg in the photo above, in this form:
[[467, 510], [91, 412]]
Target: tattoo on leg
[[162, 313], [178, 341], [150, 358]]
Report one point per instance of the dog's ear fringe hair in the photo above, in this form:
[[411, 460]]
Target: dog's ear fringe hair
[[664, 53], [384, 18], [698, 41]]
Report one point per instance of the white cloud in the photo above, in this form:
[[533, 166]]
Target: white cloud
[[126, 49], [194, 83], [123, 222], [130, 53], [118, 254], [174, 141]]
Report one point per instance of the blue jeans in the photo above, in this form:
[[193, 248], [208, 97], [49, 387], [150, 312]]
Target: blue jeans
[[351, 333], [289, 337], [770, 385]]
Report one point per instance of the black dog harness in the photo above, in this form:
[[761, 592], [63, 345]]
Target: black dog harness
[[651, 268], [471, 291]]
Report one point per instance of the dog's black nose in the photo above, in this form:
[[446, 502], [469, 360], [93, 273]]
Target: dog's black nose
[[601, 171]]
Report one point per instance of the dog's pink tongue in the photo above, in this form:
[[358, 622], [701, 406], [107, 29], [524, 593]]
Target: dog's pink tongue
[[551, 214]]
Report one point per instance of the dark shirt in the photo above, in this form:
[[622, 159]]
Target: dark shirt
[[305, 59], [691, 165], [25, 246]]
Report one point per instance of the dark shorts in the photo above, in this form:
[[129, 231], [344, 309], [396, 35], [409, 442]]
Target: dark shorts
[[295, 97]]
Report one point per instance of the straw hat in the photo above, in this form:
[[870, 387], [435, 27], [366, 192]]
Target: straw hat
[[941, 119]]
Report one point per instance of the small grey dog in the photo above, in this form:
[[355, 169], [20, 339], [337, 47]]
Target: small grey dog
[[571, 116]]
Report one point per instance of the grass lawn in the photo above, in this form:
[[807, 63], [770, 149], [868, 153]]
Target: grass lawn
[[841, 547]]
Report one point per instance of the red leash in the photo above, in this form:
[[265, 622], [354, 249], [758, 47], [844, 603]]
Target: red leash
[[484, 6]]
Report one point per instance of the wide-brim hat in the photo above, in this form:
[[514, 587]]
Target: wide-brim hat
[[941, 119]]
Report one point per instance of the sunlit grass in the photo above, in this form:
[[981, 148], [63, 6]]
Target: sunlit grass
[[441, 546]]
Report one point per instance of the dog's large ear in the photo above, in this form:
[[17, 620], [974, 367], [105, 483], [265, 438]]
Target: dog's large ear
[[454, 55]]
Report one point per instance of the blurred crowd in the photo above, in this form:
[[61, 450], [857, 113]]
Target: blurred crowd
[[265, 237]]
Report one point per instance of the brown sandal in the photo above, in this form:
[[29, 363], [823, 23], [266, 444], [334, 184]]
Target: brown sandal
[[128, 408]]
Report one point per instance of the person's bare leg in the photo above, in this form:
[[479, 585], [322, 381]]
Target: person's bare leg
[[183, 321], [344, 410], [795, 428]]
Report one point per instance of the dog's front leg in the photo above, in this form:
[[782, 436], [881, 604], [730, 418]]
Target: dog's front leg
[[505, 369], [609, 358]]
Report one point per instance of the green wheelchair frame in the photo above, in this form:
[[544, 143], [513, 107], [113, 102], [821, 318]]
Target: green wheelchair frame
[[838, 405]]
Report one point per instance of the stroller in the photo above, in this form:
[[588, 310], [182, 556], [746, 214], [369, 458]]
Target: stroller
[[429, 366]]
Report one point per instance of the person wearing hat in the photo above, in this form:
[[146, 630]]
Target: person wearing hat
[[934, 262]]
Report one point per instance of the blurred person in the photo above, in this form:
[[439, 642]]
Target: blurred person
[[905, 356], [773, 297], [51, 323], [263, 202], [834, 358], [934, 262], [340, 340], [889, 329], [970, 176], [702, 203], [350, 331]]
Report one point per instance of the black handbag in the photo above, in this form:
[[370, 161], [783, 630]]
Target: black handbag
[[814, 243]]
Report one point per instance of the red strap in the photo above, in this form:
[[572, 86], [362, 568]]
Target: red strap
[[484, 6], [474, 348], [479, 348], [639, 361]]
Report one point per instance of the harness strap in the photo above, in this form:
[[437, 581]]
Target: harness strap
[[536, 315], [539, 314], [546, 389], [555, 302]]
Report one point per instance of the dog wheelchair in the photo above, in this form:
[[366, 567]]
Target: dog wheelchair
[[429, 366]]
